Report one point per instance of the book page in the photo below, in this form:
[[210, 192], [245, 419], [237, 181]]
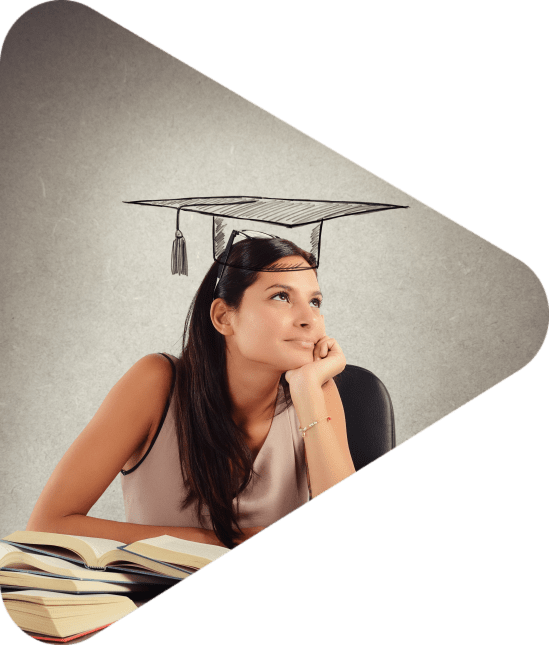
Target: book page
[[177, 545], [52, 564], [100, 546], [25, 557], [44, 597], [52, 551], [62, 584], [63, 568], [6, 548]]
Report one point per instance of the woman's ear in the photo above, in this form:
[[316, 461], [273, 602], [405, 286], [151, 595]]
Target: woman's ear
[[221, 316]]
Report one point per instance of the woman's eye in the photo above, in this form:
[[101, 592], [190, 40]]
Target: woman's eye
[[283, 295]]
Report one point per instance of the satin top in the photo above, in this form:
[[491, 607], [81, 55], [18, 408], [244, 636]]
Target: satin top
[[153, 489]]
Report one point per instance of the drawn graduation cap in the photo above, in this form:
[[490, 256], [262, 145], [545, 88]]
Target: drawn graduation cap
[[244, 212]]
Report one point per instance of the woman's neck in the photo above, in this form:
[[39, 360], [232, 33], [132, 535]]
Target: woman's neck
[[253, 390]]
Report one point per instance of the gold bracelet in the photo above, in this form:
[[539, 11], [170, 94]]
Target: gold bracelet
[[304, 430]]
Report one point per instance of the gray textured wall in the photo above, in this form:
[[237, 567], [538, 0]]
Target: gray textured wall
[[91, 115]]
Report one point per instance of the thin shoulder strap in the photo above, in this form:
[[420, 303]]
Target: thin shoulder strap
[[172, 364], [166, 408]]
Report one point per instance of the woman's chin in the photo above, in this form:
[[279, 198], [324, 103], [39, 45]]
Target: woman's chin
[[297, 363]]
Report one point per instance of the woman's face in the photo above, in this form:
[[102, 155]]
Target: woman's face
[[279, 320]]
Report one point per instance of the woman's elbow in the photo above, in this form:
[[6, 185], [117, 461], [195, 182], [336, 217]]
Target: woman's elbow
[[44, 521], [41, 523]]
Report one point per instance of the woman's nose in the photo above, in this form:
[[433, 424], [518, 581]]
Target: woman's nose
[[307, 316]]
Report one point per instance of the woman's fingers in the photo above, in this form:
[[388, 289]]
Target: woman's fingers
[[328, 360], [323, 346]]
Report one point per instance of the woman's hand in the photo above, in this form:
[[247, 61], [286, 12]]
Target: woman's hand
[[328, 360]]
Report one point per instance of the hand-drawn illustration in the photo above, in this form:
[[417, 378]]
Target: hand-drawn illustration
[[287, 213]]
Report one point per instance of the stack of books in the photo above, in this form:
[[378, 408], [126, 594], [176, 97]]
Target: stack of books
[[60, 587]]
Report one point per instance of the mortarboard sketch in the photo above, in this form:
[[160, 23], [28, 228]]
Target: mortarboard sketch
[[288, 213]]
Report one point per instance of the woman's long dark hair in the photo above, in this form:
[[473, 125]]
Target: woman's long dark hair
[[216, 462]]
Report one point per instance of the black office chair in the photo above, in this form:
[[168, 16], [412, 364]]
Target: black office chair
[[368, 414]]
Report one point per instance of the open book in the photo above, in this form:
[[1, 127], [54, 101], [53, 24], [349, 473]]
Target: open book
[[61, 615], [14, 560], [165, 555], [33, 580], [182, 553]]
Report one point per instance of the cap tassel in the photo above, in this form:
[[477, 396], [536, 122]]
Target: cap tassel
[[179, 250], [179, 255]]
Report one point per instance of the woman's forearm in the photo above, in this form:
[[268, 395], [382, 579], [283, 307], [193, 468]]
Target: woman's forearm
[[121, 531], [327, 462]]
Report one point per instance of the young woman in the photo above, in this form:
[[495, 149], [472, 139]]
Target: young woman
[[210, 447]]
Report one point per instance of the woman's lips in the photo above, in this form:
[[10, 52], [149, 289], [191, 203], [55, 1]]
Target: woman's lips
[[305, 344]]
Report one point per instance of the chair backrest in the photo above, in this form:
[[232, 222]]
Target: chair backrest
[[368, 414]]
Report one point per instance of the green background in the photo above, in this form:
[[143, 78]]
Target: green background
[[440, 541]]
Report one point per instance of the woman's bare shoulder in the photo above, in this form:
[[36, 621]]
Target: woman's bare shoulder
[[164, 357], [152, 371]]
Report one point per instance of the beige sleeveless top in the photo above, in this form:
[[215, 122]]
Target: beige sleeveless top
[[153, 488]]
